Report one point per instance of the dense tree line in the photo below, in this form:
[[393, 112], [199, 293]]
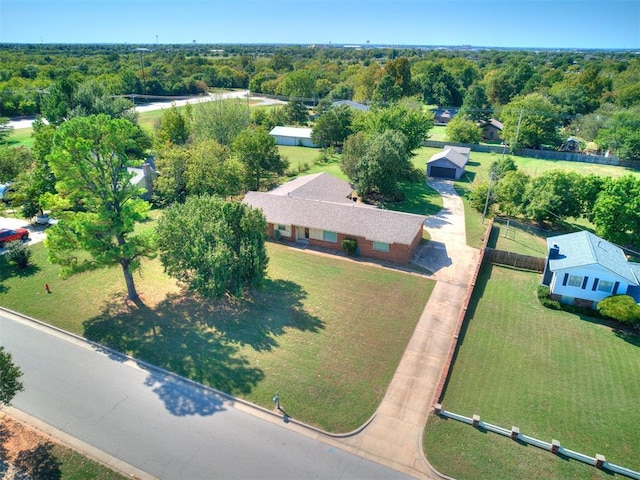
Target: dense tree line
[[612, 205], [580, 92]]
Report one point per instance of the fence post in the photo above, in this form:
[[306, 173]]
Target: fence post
[[476, 420]]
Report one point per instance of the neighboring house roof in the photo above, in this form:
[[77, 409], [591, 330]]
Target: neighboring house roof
[[296, 132], [320, 186], [352, 104], [346, 218], [584, 248], [453, 155], [493, 123]]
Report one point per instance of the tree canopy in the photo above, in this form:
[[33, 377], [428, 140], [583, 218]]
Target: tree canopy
[[10, 374], [375, 164], [95, 202], [257, 151], [213, 246], [530, 121]]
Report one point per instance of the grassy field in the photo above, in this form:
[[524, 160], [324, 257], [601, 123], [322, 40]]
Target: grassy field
[[323, 331], [553, 374]]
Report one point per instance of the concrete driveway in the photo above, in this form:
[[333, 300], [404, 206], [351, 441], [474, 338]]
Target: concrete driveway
[[394, 436], [36, 232]]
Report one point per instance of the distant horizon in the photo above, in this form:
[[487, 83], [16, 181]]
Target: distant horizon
[[519, 24], [338, 45]]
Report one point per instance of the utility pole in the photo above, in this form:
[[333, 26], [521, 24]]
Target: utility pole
[[486, 203], [518, 128]]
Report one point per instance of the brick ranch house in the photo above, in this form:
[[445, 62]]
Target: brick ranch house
[[320, 210]]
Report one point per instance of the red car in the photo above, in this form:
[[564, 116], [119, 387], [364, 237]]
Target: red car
[[8, 235]]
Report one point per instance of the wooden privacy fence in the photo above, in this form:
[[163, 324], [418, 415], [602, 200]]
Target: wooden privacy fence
[[599, 461], [526, 262]]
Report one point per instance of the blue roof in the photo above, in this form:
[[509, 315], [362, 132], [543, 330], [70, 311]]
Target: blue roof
[[584, 248]]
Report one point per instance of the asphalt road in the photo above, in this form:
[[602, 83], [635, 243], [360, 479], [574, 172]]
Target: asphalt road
[[18, 123], [158, 423]]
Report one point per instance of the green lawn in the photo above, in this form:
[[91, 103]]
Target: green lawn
[[553, 374], [21, 136], [323, 331]]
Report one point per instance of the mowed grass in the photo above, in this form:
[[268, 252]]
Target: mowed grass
[[326, 332], [553, 374]]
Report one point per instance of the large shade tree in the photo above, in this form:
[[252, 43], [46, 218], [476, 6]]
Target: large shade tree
[[97, 205], [376, 163], [333, 126], [616, 212], [530, 121], [257, 151], [213, 246]]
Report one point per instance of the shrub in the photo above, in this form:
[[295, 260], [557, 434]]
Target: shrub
[[349, 245], [544, 296], [622, 308], [277, 235], [18, 254]]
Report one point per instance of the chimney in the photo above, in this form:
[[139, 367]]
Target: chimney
[[554, 251]]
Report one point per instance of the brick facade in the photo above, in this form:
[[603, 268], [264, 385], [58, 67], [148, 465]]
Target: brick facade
[[397, 253]]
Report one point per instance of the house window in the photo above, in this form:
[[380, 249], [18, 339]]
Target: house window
[[604, 286], [575, 281], [282, 228], [329, 236], [381, 246]]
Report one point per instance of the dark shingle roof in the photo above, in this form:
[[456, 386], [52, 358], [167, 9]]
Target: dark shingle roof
[[584, 248], [319, 186], [349, 219], [453, 155]]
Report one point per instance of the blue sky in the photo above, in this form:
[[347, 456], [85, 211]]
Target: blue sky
[[499, 23]]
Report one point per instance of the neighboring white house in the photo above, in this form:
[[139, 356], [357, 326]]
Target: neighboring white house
[[292, 136], [582, 269], [449, 163]]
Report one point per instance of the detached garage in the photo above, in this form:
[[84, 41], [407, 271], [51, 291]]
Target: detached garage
[[449, 163], [292, 136]]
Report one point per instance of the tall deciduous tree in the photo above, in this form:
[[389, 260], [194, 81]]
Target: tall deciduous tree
[[257, 151], [621, 134], [616, 213], [333, 126], [215, 247], [10, 374], [413, 122], [97, 205], [530, 121], [461, 130], [173, 128], [376, 164], [220, 120], [475, 105]]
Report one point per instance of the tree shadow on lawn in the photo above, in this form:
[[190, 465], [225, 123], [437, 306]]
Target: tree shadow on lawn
[[39, 462], [8, 271], [200, 339]]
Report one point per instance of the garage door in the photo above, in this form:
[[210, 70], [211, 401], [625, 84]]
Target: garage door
[[443, 172]]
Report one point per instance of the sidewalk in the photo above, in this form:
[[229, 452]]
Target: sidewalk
[[394, 437]]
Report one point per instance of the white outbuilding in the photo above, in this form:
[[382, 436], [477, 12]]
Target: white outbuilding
[[292, 136]]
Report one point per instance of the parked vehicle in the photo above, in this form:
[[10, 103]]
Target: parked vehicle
[[8, 235]]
